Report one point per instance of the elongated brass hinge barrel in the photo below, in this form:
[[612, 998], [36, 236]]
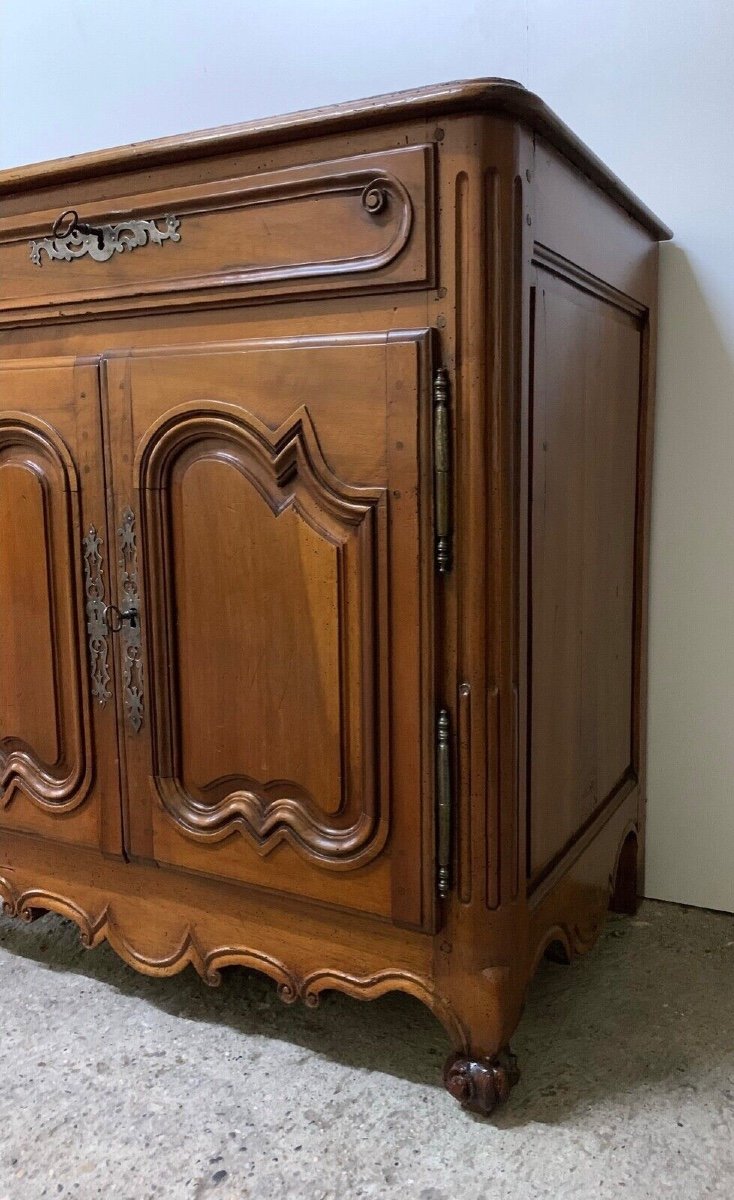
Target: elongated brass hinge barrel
[[443, 801], [442, 470]]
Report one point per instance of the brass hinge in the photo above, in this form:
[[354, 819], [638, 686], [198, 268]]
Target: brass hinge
[[443, 802], [442, 470]]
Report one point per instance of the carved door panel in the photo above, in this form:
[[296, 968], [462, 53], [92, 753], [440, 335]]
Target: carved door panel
[[277, 687], [58, 742]]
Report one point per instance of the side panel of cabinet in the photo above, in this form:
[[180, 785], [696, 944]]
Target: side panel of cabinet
[[586, 416], [58, 745], [274, 521]]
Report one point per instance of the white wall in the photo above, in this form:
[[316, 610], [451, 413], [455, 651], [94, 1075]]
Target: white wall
[[649, 84]]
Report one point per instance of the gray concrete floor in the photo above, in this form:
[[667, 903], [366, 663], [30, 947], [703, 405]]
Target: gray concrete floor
[[117, 1086]]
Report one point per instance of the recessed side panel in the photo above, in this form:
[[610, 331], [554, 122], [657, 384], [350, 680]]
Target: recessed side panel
[[585, 413]]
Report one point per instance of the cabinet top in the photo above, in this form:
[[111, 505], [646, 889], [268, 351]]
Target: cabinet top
[[493, 96]]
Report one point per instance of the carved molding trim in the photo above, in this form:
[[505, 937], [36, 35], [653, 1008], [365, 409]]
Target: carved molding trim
[[101, 242], [93, 930], [374, 188], [574, 938], [549, 260], [546, 879], [96, 624], [371, 987], [287, 469], [31, 903], [63, 786], [389, 191]]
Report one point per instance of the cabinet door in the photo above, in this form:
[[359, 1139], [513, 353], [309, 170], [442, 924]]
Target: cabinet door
[[275, 534], [58, 755]]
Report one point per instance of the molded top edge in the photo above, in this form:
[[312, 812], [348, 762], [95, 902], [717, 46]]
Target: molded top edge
[[499, 96]]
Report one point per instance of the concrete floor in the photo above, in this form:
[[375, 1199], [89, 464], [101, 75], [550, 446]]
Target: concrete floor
[[117, 1086]]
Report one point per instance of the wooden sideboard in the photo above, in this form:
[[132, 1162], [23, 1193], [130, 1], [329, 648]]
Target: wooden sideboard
[[324, 490]]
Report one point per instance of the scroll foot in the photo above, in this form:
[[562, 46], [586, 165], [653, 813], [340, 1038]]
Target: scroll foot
[[481, 1084]]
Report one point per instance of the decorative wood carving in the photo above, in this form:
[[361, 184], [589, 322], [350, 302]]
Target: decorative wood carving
[[233, 239], [569, 938], [480, 1085], [93, 930], [209, 961], [287, 471], [371, 987]]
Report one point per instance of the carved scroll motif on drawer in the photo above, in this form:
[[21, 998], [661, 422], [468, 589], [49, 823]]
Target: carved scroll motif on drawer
[[352, 223]]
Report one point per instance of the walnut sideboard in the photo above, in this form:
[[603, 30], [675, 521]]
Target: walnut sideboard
[[324, 490]]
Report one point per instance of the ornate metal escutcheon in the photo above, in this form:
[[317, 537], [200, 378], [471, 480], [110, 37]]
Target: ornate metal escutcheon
[[71, 238], [96, 622], [129, 628]]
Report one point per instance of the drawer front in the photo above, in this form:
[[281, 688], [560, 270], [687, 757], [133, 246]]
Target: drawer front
[[351, 224]]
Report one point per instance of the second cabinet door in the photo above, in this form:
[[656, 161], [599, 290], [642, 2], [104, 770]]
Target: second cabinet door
[[272, 507]]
